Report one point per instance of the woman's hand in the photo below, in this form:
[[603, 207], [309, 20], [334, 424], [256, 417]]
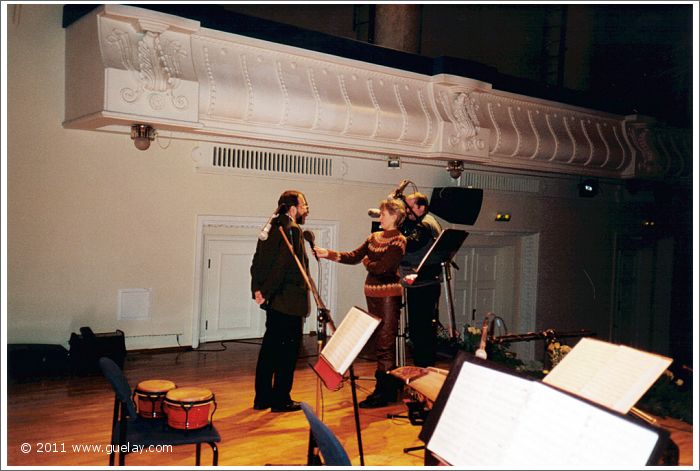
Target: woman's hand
[[321, 252]]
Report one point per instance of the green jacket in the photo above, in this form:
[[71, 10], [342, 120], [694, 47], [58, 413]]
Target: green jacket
[[275, 273]]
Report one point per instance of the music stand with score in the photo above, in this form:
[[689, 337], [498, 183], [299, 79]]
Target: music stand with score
[[505, 418], [441, 254]]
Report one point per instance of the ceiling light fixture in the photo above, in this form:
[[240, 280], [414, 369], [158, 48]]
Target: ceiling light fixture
[[142, 134], [455, 168]]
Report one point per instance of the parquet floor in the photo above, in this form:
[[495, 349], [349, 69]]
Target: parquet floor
[[55, 415]]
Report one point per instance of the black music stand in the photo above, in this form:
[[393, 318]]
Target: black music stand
[[533, 407], [441, 254]]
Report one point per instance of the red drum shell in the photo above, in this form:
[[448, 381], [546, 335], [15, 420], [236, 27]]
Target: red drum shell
[[149, 397], [189, 408]]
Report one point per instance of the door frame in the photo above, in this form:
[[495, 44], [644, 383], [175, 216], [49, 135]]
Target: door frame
[[326, 235]]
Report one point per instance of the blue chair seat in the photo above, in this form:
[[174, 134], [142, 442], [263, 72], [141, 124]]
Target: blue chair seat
[[157, 432]]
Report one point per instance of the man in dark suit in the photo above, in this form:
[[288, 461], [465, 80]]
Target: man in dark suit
[[278, 287], [422, 299]]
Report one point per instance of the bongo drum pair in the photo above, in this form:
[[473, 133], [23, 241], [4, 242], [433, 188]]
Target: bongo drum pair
[[186, 408]]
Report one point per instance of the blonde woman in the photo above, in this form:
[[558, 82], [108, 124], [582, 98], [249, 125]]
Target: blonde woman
[[381, 254]]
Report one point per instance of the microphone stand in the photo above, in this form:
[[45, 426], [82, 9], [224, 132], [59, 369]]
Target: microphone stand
[[324, 320]]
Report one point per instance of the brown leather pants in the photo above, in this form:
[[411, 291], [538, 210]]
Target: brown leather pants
[[388, 310]]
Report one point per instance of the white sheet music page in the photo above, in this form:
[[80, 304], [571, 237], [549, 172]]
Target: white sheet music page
[[479, 417], [615, 376], [349, 338], [558, 431], [494, 419]]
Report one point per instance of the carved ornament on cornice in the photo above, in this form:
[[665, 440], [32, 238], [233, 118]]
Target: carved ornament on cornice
[[461, 109], [154, 65], [126, 64]]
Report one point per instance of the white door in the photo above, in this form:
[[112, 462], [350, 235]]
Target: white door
[[228, 311], [484, 283]]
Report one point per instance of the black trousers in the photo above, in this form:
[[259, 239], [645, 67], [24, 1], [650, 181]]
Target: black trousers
[[277, 359], [422, 323]]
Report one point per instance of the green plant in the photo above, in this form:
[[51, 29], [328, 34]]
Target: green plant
[[669, 396]]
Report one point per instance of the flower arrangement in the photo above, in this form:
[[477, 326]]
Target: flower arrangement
[[670, 396], [472, 338], [556, 351]]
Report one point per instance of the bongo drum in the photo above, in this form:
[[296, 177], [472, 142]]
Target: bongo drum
[[189, 408], [149, 397]]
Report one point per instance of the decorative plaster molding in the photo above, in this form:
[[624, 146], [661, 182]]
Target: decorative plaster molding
[[155, 66], [661, 151], [461, 109], [126, 64]]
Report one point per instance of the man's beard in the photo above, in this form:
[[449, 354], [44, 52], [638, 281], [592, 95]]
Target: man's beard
[[300, 219]]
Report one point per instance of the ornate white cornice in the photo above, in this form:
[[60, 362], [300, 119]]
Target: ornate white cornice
[[126, 65]]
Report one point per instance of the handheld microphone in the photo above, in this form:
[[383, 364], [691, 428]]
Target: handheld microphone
[[399, 190], [373, 212], [310, 238], [265, 232]]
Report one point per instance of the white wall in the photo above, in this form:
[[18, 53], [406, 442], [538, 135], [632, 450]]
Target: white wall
[[89, 214]]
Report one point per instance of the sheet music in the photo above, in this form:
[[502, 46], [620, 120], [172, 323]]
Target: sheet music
[[349, 339], [556, 430], [481, 412], [615, 376], [493, 418]]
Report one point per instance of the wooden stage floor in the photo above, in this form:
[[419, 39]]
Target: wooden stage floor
[[64, 417], [78, 411]]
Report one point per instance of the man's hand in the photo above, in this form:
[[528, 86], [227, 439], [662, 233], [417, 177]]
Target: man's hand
[[259, 297]]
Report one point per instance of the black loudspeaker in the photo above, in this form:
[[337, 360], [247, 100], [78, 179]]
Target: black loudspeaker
[[30, 362], [457, 205], [87, 348]]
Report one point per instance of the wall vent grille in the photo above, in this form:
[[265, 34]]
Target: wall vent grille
[[501, 182], [277, 162]]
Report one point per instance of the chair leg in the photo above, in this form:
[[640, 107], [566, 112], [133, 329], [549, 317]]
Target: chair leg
[[198, 455], [413, 448], [215, 452]]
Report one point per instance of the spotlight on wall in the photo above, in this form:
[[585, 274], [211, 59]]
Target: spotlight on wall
[[502, 216], [588, 188], [142, 134], [455, 168]]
